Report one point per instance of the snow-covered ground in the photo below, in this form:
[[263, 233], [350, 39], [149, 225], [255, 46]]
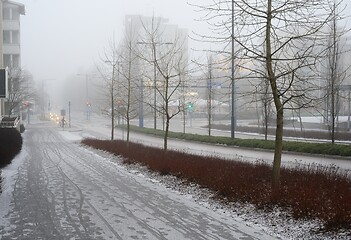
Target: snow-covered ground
[[57, 189], [9, 174], [99, 127]]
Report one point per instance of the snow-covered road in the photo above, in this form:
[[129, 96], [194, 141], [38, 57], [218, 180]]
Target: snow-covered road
[[99, 127], [58, 189]]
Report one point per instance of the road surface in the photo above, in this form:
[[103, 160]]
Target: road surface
[[62, 190], [100, 127]]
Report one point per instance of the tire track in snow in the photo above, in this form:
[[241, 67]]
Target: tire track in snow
[[187, 228], [100, 188], [94, 168], [31, 202], [65, 199], [63, 160], [93, 198]]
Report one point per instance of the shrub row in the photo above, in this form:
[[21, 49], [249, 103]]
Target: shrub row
[[296, 133], [306, 191], [10, 145], [292, 146]]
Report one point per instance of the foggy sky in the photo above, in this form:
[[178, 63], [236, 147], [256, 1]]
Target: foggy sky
[[61, 38]]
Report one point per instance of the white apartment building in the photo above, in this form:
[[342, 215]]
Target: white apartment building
[[145, 31], [10, 44]]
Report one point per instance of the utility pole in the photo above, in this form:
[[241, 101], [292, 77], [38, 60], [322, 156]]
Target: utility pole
[[69, 114], [209, 88], [141, 103], [114, 62], [233, 117], [113, 99], [154, 56]]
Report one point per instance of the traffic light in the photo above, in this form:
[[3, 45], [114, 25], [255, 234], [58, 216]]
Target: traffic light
[[190, 106]]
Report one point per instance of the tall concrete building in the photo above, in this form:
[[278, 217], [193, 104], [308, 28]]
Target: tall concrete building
[[10, 44], [153, 38], [164, 32]]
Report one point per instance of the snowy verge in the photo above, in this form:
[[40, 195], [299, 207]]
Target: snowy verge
[[275, 222], [9, 175]]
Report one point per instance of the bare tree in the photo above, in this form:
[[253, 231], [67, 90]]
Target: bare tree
[[20, 89], [266, 102], [261, 95], [209, 93], [335, 72], [111, 59], [130, 74], [286, 37], [170, 62]]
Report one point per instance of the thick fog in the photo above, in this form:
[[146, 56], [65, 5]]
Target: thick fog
[[62, 40]]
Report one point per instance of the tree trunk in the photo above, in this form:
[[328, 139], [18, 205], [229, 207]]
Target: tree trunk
[[266, 119], [112, 116], [128, 129], [166, 108], [277, 102], [278, 148], [165, 140]]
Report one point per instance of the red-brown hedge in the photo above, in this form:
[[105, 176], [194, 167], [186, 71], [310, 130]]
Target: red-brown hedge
[[312, 191]]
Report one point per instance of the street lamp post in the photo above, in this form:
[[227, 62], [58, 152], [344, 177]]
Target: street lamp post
[[43, 102], [155, 73], [233, 120], [112, 103], [113, 63], [69, 113], [141, 104], [155, 102], [88, 101]]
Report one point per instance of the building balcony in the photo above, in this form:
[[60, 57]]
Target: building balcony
[[11, 49], [11, 25]]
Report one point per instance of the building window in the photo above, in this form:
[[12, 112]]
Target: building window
[[6, 13], [15, 60], [15, 14], [11, 61], [7, 60], [7, 37], [9, 13], [15, 37], [11, 37]]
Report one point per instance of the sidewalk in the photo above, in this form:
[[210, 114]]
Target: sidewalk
[[100, 127]]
